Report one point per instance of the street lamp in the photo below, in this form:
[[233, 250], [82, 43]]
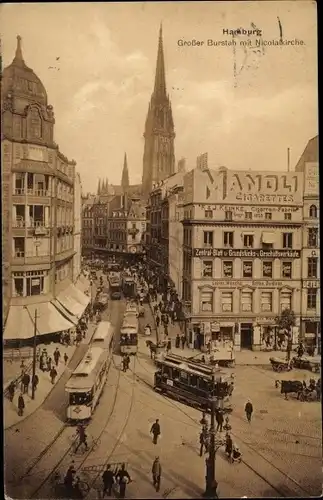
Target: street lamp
[[34, 353]]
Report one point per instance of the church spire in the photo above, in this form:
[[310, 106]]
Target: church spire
[[160, 80], [99, 187], [125, 174], [18, 59]]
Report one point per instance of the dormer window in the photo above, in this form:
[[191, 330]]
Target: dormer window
[[313, 212]]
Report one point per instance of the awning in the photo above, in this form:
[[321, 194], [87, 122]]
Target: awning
[[73, 300], [268, 237], [82, 284], [18, 325], [64, 312], [20, 322]]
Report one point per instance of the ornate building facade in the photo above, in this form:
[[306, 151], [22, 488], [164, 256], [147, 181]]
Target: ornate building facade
[[159, 155], [38, 202]]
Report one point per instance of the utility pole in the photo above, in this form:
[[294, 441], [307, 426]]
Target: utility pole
[[211, 484], [34, 358]]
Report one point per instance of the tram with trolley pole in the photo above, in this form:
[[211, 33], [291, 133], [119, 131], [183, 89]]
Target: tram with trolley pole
[[193, 383], [129, 334], [104, 336]]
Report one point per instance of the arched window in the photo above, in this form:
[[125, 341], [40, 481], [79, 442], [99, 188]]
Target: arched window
[[35, 124], [313, 212]]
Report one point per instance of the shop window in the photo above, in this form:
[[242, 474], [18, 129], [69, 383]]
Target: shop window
[[313, 212], [268, 215], [313, 237], [247, 269], [208, 239], [227, 301], [267, 269], [208, 214], [207, 301], [312, 267], [311, 298], [248, 240], [207, 268], [18, 287], [288, 216], [228, 269], [287, 240], [228, 239], [266, 301], [286, 269], [246, 301], [285, 301]]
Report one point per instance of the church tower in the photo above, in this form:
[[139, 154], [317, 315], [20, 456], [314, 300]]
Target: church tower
[[125, 175], [159, 156]]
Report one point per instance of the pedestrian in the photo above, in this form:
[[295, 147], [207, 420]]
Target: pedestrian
[[156, 472], [123, 479], [228, 445], [155, 431], [65, 358], [157, 321], [124, 363], [57, 355], [248, 410], [166, 329], [35, 381], [11, 391], [25, 382], [203, 420], [42, 362], [183, 340], [169, 346], [219, 419], [177, 341], [49, 364], [21, 405], [128, 361], [53, 374], [108, 481]]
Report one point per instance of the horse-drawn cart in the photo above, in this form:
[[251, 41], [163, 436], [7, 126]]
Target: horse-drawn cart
[[280, 365], [312, 363]]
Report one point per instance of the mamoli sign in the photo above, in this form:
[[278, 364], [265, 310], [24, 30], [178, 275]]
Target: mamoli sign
[[251, 253]]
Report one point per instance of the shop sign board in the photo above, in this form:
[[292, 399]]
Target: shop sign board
[[246, 253], [250, 283], [311, 284]]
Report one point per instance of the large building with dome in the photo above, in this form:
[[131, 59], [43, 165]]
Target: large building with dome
[[41, 214]]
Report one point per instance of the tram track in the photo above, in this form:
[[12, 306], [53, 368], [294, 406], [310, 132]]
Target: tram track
[[283, 492]]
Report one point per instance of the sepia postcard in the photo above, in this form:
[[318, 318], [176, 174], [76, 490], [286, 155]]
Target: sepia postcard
[[160, 250]]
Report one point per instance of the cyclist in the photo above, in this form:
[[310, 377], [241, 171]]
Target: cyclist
[[82, 437]]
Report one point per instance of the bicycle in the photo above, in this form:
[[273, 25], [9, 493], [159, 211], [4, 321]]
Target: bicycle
[[80, 448], [80, 489]]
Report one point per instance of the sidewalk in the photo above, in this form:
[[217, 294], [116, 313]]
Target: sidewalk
[[44, 386]]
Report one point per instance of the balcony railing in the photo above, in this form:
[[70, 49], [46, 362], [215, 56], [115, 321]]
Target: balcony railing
[[19, 254], [19, 223], [31, 192]]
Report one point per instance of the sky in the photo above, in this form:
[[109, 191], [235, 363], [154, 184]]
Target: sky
[[243, 108]]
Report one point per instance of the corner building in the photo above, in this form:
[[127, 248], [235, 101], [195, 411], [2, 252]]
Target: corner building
[[39, 207], [242, 248]]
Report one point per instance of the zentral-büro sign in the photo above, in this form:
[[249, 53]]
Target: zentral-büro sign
[[252, 253]]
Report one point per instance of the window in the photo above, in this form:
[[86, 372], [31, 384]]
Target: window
[[207, 301], [313, 237], [227, 301], [267, 269], [287, 240], [35, 124], [228, 215], [313, 212], [208, 214], [266, 301], [311, 298], [207, 268], [312, 267], [18, 284], [248, 240], [285, 301], [33, 281], [208, 239], [228, 269], [228, 239], [19, 247], [288, 216], [248, 215], [286, 269], [268, 215], [246, 301], [247, 269]]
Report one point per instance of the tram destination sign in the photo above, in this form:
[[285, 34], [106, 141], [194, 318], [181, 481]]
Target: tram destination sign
[[246, 253]]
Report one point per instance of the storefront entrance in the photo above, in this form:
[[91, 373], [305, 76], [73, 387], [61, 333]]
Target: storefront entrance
[[246, 331], [311, 335]]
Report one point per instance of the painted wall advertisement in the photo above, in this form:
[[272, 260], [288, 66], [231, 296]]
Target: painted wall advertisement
[[242, 253]]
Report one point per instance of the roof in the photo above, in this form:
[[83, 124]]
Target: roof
[[310, 154], [83, 378], [137, 210]]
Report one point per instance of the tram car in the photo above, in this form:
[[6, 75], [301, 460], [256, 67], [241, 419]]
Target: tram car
[[86, 384], [192, 383], [104, 336], [129, 334]]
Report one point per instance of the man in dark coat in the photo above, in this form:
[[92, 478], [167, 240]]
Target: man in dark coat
[[35, 381], [203, 440], [219, 419], [248, 410], [53, 374], [57, 355], [123, 479], [156, 473], [11, 391], [21, 405], [25, 382], [108, 481], [177, 341], [157, 321], [155, 431], [183, 341]]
